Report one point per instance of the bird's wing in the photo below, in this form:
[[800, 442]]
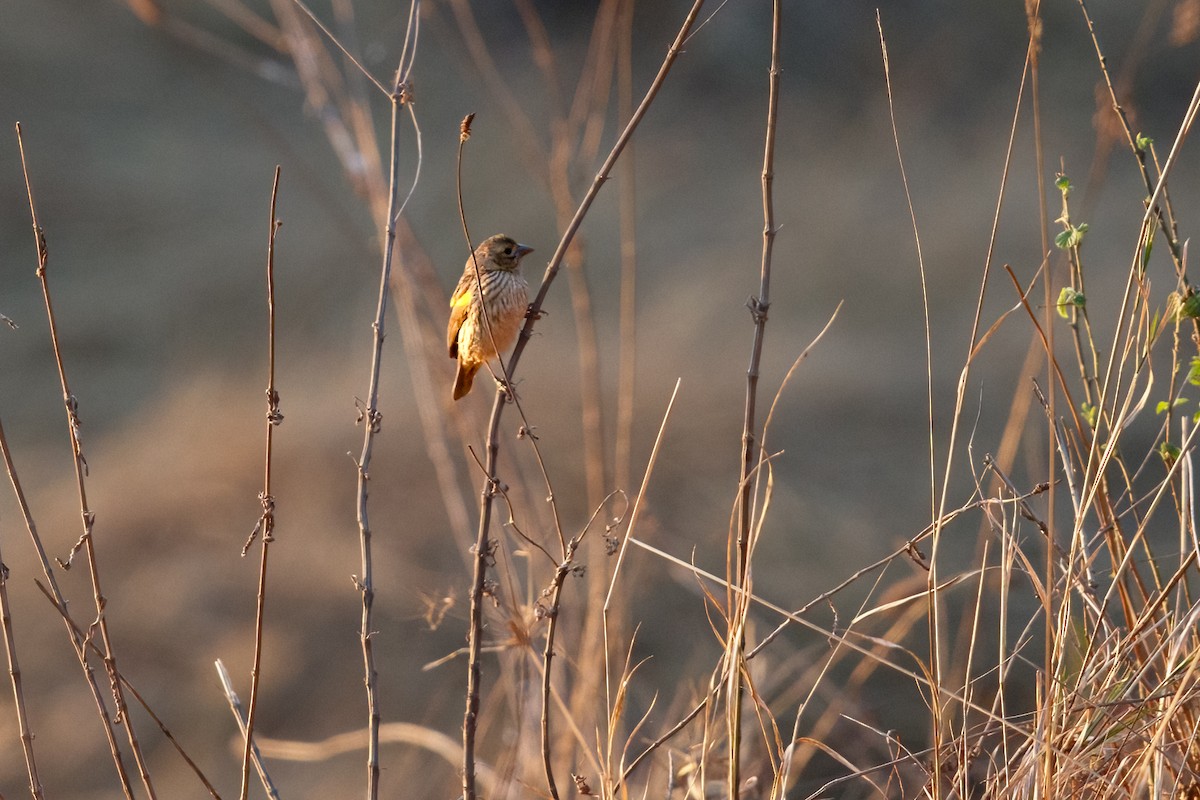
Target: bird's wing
[[460, 301]]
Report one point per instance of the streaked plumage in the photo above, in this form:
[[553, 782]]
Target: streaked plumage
[[506, 295]]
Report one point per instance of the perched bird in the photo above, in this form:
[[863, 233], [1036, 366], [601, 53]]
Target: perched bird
[[505, 296]]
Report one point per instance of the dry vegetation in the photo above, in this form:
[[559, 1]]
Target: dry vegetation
[[1058, 659]]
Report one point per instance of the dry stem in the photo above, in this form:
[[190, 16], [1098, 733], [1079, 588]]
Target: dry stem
[[372, 421], [482, 545], [14, 670], [266, 522], [739, 582], [73, 424], [235, 705]]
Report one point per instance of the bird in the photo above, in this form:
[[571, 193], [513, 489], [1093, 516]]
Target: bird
[[470, 340]]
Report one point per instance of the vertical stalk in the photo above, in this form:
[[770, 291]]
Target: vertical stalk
[[372, 423], [266, 522], [627, 210], [483, 555], [758, 310], [482, 541], [1033, 17]]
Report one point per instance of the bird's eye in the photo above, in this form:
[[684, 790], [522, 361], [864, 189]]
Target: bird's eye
[[508, 251]]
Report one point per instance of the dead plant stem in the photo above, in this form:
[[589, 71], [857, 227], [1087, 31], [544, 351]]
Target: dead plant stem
[[235, 705], [266, 522], [482, 546], [627, 210], [372, 421], [85, 541], [14, 669], [90, 643], [740, 580], [479, 572]]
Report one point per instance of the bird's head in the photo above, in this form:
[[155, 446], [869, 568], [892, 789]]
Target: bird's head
[[502, 251]]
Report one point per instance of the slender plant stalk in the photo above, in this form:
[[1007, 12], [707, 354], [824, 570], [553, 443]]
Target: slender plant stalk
[[483, 546], [14, 669], [372, 422], [1050, 643], [91, 645], [483, 558], [614, 626], [564, 568], [627, 210], [575, 140], [556, 166], [740, 580], [1165, 223], [235, 705], [88, 518], [933, 584], [347, 118], [598, 182], [479, 579], [266, 522]]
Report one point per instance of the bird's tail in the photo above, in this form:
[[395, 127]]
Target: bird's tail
[[463, 379]]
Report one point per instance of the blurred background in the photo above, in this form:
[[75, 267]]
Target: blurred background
[[152, 138]]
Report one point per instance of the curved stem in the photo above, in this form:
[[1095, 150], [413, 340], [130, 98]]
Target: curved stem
[[482, 541]]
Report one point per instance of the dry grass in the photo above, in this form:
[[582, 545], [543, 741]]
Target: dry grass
[[1055, 654]]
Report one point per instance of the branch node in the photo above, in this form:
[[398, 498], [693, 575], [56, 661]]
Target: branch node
[[758, 309]]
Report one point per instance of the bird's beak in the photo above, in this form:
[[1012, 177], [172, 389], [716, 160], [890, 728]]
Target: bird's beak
[[523, 250]]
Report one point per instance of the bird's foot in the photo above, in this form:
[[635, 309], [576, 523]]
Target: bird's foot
[[506, 389]]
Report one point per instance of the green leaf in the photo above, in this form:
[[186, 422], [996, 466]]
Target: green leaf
[[1143, 142], [1068, 298], [1165, 404], [1169, 453], [1194, 371], [1190, 307], [1063, 184], [1089, 414], [1146, 250], [1071, 237]]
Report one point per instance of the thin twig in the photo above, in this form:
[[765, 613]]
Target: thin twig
[[81, 636], [1167, 225], [235, 705], [482, 547], [610, 701], [370, 415], [627, 210], [372, 421], [912, 214], [1033, 15], [14, 670], [905, 552], [490, 488], [740, 579], [266, 522], [566, 567], [936, 665], [339, 46], [71, 405]]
